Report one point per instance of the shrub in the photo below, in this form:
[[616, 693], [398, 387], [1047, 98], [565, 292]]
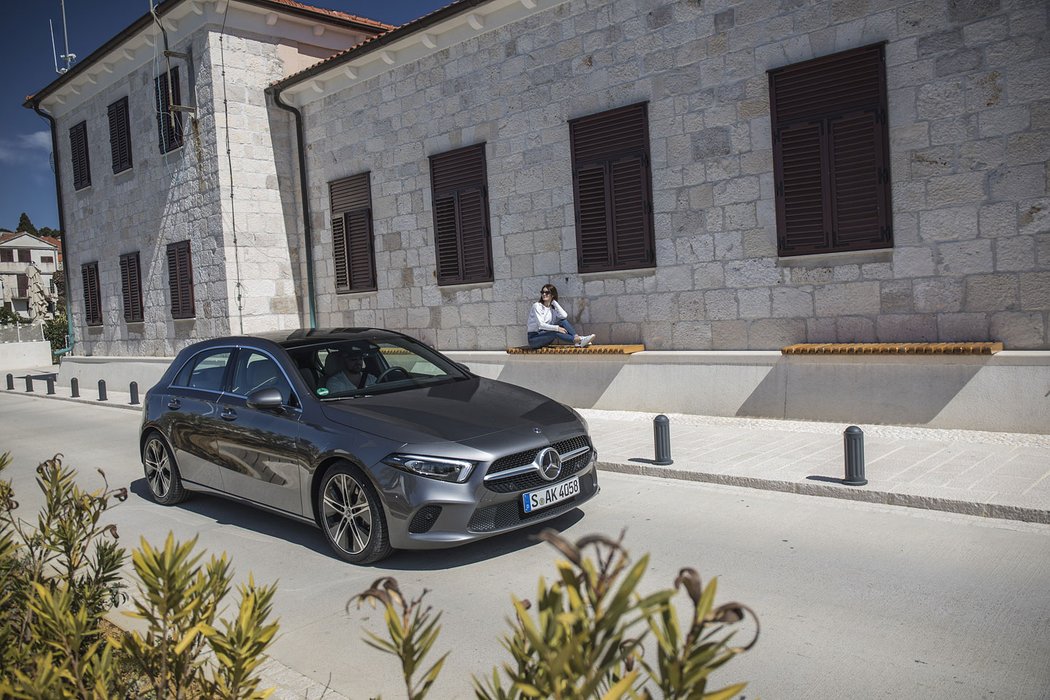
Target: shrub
[[585, 637], [55, 332], [59, 578]]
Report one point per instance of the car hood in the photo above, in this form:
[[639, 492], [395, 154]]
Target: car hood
[[458, 411]]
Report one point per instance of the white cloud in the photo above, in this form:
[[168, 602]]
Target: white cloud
[[40, 140], [30, 150]]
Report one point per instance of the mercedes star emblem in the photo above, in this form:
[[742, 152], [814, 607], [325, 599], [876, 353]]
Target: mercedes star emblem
[[548, 461]]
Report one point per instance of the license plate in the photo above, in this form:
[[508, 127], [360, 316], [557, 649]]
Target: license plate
[[541, 498]]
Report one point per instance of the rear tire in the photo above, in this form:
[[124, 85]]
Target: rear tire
[[162, 472], [351, 516]]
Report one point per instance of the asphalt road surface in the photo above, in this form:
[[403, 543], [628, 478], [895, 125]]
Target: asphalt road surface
[[855, 600]]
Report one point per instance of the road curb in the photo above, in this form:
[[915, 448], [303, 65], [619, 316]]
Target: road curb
[[948, 505]]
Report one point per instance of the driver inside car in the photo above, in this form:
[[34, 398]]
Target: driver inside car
[[344, 372]]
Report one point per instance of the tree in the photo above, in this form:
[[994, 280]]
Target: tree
[[48, 231], [24, 224]]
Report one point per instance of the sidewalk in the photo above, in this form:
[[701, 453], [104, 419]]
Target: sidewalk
[[997, 475]]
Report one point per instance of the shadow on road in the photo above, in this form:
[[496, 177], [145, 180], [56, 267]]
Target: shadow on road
[[229, 512]]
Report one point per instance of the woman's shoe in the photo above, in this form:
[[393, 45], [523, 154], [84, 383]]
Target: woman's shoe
[[585, 340]]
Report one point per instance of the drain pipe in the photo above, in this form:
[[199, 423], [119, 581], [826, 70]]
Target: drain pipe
[[304, 194], [62, 228]]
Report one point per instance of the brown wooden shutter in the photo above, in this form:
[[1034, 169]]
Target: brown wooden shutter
[[92, 296], [613, 188], [131, 287], [593, 232], [78, 146], [169, 122], [353, 245], [831, 153], [462, 237], [120, 135], [180, 280]]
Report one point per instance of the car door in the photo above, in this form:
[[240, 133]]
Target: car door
[[192, 416], [258, 453]]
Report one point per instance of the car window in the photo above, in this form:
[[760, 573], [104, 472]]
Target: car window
[[205, 371], [347, 368], [254, 370]]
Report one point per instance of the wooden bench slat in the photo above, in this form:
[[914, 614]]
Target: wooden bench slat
[[573, 350], [940, 348]]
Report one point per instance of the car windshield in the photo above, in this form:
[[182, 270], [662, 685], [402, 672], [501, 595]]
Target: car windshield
[[340, 369]]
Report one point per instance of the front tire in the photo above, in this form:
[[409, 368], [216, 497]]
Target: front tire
[[162, 473], [351, 516]]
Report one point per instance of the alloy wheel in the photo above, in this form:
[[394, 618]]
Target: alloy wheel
[[158, 467], [347, 513]]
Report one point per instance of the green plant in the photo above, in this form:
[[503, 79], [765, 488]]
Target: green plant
[[585, 636], [59, 578], [8, 316], [55, 330], [179, 600], [412, 631]]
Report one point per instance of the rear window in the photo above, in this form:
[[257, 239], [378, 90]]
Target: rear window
[[205, 371]]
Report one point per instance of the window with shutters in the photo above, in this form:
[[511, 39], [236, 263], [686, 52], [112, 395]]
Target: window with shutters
[[831, 153], [78, 146], [92, 297], [7, 255], [462, 237], [613, 189], [22, 284], [131, 287], [180, 280], [120, 135], [169, 121], [353, 249], [25, 255]]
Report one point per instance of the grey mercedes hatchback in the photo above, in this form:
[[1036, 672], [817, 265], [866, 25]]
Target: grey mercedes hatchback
[[373, 436]]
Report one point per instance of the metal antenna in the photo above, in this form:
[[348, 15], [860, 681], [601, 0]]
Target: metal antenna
[[67, 57], [54, 51]]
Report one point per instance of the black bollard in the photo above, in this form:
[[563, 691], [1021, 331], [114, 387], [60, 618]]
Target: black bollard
[[74, 388], [10, 382], [102, 390], [662, 440], [50, 379], [29, 383], [134, 388], [853, 440]]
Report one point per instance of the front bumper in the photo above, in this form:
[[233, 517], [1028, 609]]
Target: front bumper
[[439, 514]]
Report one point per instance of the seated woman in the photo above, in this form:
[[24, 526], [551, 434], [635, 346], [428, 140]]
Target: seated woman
[[549, 322]]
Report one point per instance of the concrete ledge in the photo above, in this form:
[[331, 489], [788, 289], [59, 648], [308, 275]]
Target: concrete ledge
[[118, 372], [1005, 392], [25, 355]]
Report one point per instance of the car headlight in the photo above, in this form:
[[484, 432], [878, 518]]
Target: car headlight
[[457, 470]]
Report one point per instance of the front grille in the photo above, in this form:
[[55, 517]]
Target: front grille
[[424, 519], [521, 482], [510, 513]]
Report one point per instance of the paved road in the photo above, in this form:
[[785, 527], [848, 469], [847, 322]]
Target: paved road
[[856, 600]]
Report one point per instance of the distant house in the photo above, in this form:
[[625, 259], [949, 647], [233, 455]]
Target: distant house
[[694, 176], [28, 266]]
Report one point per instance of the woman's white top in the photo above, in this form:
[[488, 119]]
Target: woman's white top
[[545, 318]]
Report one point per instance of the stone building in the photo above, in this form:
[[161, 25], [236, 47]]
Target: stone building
[[691, 174]]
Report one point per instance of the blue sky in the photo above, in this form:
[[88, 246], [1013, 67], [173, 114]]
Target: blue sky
[[27, 183]]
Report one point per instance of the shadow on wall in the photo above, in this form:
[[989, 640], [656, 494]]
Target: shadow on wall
[[848, 390]]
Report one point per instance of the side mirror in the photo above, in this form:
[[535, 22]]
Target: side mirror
[[266, 399]]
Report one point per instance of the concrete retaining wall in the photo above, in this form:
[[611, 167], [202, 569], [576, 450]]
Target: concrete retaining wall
[[1008, 392], [25, 355]]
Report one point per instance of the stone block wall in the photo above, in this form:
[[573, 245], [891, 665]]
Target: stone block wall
[[969, 105], [163, 198]]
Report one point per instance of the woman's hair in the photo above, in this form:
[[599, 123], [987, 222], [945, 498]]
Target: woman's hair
[[552, 289]]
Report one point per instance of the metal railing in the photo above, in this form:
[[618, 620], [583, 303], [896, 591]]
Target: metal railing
[[21, 332]]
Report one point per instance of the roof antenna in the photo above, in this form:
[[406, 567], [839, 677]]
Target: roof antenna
[[67, 57]]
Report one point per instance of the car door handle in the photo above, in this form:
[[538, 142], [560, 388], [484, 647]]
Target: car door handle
[[228, 414], [174, 404]]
